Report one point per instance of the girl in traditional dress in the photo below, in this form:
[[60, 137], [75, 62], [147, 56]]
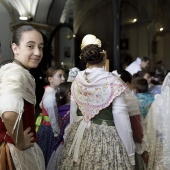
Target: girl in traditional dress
[[63, 98], [18, 148], [49, 129], [99, 135]]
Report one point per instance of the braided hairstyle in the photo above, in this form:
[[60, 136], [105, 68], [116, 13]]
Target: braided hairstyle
[[92, 54], [62, 92]]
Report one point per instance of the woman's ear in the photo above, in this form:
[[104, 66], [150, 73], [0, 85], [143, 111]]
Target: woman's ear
[[14, 48], [50, 79]]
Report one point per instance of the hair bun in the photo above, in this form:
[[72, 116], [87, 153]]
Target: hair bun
[[90, 39]]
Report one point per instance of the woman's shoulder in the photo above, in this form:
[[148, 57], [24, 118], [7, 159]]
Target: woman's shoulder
[[13, 71]]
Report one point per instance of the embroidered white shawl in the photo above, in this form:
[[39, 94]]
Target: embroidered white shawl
[[16, 84], [95, 91]]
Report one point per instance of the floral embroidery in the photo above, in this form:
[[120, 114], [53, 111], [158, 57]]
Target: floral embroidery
[[110, 153], [93, 98]]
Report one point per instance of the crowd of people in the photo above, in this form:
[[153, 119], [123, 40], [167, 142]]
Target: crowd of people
[[94, 119]]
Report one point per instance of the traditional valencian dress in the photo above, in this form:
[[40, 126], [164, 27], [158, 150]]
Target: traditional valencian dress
[[157, 124], [49, 129], [64, 117], [100, 128], [17, 94]]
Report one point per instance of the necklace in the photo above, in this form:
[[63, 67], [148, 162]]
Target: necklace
[[19, 63]]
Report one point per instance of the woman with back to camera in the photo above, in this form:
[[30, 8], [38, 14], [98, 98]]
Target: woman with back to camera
[[99, 135], [18, 148]]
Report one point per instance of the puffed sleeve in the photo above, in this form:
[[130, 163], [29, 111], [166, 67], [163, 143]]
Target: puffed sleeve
[[123, 126], [50, 106]]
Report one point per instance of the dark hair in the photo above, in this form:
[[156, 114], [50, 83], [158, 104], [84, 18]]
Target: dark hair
[[158, 79], [141, 73], [62, 93], [19, 32], [125, 76], [145, 59], [92, 54], [140, 84], [51, 71]]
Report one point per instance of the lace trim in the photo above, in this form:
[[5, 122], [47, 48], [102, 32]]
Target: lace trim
[[33, 155], [15, 157]]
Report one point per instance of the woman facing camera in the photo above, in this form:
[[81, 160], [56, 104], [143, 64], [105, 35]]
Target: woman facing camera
[[18, 148]]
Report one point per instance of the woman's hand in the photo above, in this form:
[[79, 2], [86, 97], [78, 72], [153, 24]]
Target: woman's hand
[[22, 138], [145, 157], [28, 138]]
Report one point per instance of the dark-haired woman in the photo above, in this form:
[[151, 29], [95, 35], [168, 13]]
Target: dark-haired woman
[[100, 135], [63, 98], [49, 129], [18, 148]]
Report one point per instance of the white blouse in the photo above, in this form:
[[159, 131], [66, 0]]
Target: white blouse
[[50, 105]]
